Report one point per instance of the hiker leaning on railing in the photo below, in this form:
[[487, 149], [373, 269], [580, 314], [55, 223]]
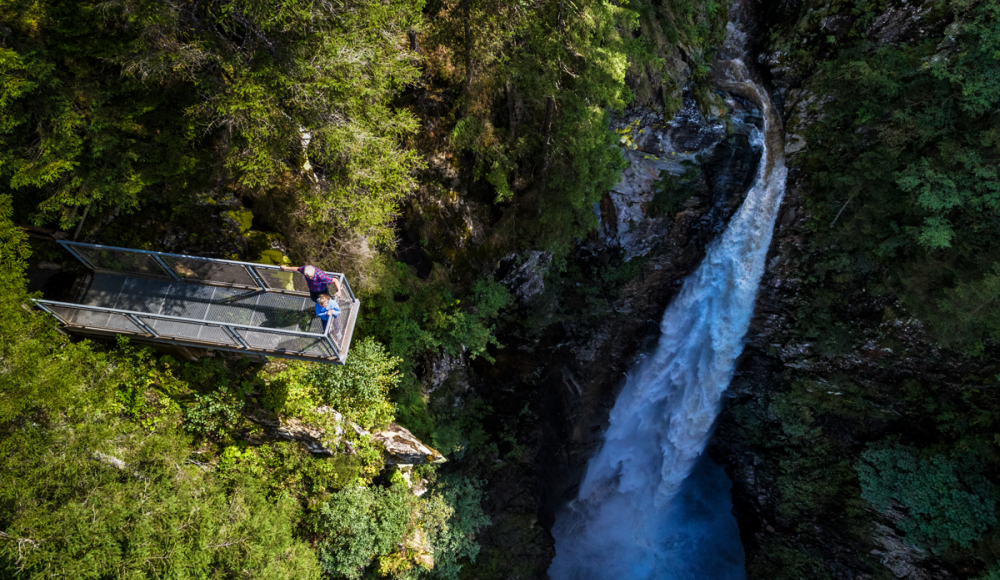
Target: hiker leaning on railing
[[317, 280]]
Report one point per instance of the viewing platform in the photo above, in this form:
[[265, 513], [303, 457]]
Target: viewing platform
[[204, 303]]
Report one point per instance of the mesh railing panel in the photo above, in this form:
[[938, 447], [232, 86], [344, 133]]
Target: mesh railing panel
[[345, 289], [189, 331], [286, 281], [260, 339], [210, 270], [121, 261], [200, 333], [96, 319], [287, 312], [339, 331]]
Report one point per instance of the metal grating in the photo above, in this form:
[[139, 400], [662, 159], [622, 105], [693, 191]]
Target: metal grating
[[142, 295], [233, 306], [339, 330], [288, 312], [261, 339], [189, 331], [284, 281], [191, 268], [189, 300], [122, 261], [209, 303], [170, 298], [96, 319], [104, 290]]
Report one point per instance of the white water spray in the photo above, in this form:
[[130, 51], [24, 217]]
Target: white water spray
[[624, 524]]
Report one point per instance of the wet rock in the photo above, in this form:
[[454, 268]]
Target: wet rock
[[418, 547], [632, 229], [732, 167], [416, 485], [687, 134], [441, 367], [898, 22], [654, 149], [900, 558], [794, 143]]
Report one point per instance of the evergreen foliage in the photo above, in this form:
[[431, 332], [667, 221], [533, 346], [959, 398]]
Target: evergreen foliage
[[134, 102], [563, 67], [416, 317], [360, 388], [359, 524], [906, 153], [947, 500], [460, 517], [100, 500], [91, 487]]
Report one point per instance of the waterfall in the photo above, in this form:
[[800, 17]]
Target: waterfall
[[628, 522]]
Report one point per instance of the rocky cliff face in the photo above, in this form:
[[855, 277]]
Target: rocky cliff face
[[798, 507], [798, 417], [550, 391], [800, 414]]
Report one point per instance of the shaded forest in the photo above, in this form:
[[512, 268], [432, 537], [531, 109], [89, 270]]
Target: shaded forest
[[421, 148]]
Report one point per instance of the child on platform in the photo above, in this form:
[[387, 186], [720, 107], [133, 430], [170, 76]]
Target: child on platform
[[325, 308]]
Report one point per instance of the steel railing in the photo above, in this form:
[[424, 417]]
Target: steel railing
[[240, 336], [184, 268], [332, 343]]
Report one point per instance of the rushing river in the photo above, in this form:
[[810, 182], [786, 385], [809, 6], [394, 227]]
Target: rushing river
[[651, 506]]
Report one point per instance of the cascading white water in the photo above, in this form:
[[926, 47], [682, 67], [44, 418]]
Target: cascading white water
[[625, 523]]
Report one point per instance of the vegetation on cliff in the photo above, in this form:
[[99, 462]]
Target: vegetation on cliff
[[320, 131], [279, 130], [874, 433]]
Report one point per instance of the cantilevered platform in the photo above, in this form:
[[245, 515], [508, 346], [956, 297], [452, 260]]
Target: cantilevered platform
[[203, 302]]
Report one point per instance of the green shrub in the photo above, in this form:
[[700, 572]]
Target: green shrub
[[455, 516], [274, 394], [359, 524], [98, 496], [901, 166], [216, 411], [670, 190], [947, 500], [359, 389]]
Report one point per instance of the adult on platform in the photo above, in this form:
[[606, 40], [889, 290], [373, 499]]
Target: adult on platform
[[317, 280]]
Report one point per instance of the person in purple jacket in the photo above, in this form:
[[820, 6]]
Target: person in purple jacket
[[317, 280]]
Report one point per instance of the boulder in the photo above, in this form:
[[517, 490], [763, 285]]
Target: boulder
[[314, 438], [402, 448]]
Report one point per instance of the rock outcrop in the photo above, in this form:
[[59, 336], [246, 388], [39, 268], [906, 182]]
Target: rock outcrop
[[716, 155], [402, 448], [324, 436]]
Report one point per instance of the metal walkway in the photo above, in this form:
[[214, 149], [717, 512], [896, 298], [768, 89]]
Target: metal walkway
[[204, 302]]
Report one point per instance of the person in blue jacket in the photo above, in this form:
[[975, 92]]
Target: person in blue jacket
[[325, 308]]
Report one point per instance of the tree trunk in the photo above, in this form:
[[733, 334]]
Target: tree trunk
[[79, 226], [412, 35], [511, 115], [550, 110], [468, 48]]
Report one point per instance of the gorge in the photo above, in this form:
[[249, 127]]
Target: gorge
[[658, 289], [628, 520]]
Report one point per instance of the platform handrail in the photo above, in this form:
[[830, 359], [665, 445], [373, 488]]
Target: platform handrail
[[228, 326], [252, 266], [180, 318]]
